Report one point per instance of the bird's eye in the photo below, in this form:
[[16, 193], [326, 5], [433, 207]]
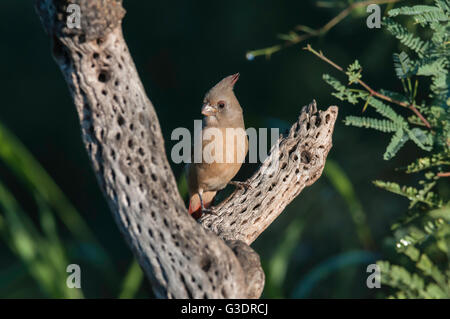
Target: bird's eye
[[221, 105]]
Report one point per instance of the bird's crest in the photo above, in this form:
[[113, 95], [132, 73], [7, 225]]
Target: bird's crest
[[226, 83]]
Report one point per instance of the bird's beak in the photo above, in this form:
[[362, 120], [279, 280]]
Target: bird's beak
[[208, 110]]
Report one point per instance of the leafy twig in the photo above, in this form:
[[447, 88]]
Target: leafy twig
[[293, 38], [368, 88]]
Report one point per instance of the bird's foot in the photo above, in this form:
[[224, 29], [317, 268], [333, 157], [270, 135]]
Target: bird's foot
[[209, 211], [241, 185]]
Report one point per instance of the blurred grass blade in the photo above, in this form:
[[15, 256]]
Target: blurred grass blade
[[182, 185], [344, 187], [278, 264], [32, 174], [44, 259], [53, 249], [132, 281], [324, 269]]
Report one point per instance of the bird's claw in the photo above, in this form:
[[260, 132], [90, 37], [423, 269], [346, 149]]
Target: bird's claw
[[209, 211]]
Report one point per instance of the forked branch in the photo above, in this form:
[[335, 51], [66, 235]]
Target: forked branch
[[295, 161]]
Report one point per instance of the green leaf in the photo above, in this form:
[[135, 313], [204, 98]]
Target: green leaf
[[376, 124], [406, 38], [387, 111], [354, 72], [402, 65], [422, 14], [394, 95], [342, 92], [422, 138], [411, 285], [413, 194], [423, 163], [397, 141]]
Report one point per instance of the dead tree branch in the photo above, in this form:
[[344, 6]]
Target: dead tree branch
[[295, 162], [122, 135]]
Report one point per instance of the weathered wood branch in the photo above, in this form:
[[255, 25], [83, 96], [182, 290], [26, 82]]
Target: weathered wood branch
[[122, 135], [295, 161]]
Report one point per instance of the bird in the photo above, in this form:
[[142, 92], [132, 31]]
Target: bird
[[222, 112]]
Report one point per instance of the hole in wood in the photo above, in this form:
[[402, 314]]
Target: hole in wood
[[104, 76], [305, 157]]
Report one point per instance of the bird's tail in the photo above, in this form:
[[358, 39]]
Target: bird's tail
[[195, 207]]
